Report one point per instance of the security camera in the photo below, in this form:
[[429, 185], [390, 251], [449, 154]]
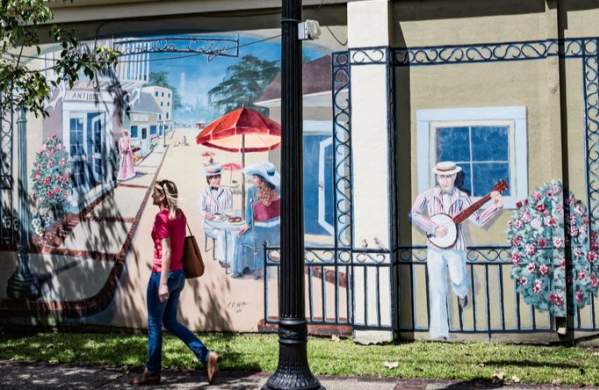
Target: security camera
[[308, 30]]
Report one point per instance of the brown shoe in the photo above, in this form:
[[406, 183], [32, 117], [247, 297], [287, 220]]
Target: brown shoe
[[212, 367], [146, 379]]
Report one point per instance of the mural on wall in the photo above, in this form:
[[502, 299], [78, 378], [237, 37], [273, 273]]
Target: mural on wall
[[468, 154], [211, 125]]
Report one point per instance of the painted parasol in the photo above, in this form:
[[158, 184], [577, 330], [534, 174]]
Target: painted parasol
[[231, 166], [242, 131]]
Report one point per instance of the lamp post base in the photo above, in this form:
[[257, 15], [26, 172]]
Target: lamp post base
[[293, 371]]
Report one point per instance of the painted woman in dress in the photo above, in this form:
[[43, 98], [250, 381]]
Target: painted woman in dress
[[126, 167], [262, 216]]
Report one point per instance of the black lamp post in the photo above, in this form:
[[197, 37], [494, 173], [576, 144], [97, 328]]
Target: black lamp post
[[293, 371]]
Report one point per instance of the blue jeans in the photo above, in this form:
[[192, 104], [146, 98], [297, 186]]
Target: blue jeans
[[160, 313]]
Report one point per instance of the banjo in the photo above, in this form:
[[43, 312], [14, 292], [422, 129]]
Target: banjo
[[451, 223]]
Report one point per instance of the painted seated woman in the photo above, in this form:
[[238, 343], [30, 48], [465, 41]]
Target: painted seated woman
[[262, 216]]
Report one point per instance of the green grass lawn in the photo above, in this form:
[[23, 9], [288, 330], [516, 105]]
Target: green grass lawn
[[430, 360]]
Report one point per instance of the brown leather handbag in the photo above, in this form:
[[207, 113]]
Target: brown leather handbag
[[193, 265]]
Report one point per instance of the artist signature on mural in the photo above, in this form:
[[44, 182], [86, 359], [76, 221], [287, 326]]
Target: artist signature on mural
[[237, 306]]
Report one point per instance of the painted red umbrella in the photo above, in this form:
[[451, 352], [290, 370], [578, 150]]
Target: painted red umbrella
[[231, 167], [242, 131]]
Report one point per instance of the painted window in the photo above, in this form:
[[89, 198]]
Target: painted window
[[488, 143], [95, 147], [318, 185], [77, 150], [76, 135], [134, 132], [153, 130], [156, 93]]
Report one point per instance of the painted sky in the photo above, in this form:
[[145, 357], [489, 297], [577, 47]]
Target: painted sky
[[194, 76]]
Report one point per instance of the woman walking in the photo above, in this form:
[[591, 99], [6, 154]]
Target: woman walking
[[165, 285]]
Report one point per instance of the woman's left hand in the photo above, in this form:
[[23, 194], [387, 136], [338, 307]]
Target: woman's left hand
[[163, 292], [244, 229]]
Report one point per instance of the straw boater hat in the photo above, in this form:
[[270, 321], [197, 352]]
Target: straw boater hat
[[266, 170], [446, 168], [213, 170]]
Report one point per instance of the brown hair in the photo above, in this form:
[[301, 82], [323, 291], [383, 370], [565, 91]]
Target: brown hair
[[266, 192], [171, 194]]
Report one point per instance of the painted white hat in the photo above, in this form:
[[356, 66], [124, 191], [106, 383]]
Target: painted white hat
[[267, 171], [446, 168], [214, 169]]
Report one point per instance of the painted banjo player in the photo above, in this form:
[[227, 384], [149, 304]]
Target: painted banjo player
[[438, 212]]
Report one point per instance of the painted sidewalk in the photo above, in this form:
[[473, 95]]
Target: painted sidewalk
[[18, 375]]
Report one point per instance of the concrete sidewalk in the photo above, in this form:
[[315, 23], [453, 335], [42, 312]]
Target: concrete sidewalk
[[20, 375]]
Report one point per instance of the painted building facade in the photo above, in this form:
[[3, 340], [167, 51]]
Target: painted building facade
[[507, 91]]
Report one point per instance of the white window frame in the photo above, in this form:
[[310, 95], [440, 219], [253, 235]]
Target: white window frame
[[512, 116]]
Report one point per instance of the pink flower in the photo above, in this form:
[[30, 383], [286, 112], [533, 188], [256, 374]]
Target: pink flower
[[523, 281], [592, 256], [536, 223], [582, 275], [530, 249], [541, 242], [550, 221], [531, 267], [526, 217], [574, 231], [536, 195], [562, 264], [518, 224], [579, 296], [556, 299], [594, 281], [63, 162], [543, 269], [518, 204], [537, 287], [559, 209], [540, 207], [516, 257], [558, 242], [517, 241], [46, 180], [59, 146], [579, 208]]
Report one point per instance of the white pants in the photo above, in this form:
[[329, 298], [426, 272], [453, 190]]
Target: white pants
[[220, 244], [439, 262]]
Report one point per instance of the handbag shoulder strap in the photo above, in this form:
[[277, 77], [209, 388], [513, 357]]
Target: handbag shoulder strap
[[186, 223]]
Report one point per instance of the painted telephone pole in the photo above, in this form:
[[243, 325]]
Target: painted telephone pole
[[23, 284], [292, 371]]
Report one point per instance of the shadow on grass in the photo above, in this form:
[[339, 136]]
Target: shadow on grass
[[529, 363], [476, 383]]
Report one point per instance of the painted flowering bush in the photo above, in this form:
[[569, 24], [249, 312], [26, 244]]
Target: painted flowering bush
[[536, 233], [51, 178]]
